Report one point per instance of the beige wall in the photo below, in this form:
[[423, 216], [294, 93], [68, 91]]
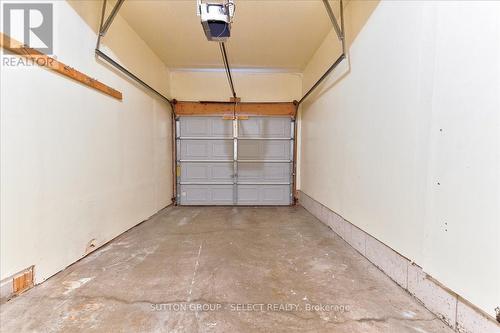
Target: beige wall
[[416, 105], [77, 165], [250, 85], [403, 139]]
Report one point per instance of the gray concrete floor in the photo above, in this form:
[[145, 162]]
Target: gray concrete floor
[[152, 279]]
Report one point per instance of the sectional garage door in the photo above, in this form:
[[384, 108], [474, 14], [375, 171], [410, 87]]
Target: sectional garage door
[[245, 161]]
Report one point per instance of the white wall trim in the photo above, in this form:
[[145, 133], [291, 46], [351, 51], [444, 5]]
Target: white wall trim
[[448, 306], [249, 70]]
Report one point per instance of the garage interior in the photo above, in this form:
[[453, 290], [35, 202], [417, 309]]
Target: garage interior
[[250, 166]]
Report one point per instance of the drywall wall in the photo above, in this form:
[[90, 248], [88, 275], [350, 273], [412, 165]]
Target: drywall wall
[[77, 165], [251, 85], [403, 139]]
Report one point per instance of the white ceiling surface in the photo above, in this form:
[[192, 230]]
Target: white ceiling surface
[[274, 34]]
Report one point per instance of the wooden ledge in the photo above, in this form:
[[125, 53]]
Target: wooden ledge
[[229, 108]]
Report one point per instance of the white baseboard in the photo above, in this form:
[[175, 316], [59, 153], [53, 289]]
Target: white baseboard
[[453, 310]]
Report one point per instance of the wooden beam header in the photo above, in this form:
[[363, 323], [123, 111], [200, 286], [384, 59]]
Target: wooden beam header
[[229, 108]]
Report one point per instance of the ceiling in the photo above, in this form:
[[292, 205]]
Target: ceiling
[[278, 34]]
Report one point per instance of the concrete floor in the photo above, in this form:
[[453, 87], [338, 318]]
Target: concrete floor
[[243, 263]]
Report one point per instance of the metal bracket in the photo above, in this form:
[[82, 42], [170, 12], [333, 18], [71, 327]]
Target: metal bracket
[[111, 17], [103, 28], [338, 29], [341, 35]]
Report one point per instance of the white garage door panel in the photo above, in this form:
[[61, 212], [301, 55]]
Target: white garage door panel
[[264, 150], [264, 172], [207, 172], [206, 150], [265, 127], [234, 162], [206, 194], [205, 127], [264, 195]]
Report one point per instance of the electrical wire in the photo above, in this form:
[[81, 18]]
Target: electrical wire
[[226, 5]]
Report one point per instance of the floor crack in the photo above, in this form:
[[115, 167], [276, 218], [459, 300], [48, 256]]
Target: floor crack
[[194, 272]]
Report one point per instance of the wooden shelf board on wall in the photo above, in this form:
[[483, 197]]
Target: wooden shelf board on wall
[[44, 60]]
